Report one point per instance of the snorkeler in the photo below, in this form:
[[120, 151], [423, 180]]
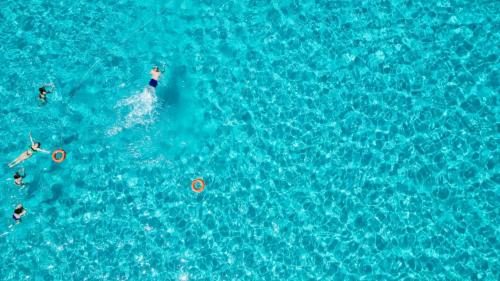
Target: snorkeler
[[34, 147], [155, 75], [19, 212], [19, 176], [42, 96]]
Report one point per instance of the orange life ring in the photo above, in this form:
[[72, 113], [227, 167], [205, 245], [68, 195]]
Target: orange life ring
[[193, 185], [55, 153]]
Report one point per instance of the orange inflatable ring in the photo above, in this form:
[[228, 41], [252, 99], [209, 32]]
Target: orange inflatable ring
[[55, 153], [200, 189]]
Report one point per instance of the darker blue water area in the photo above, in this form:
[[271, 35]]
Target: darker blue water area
[[170, 91]]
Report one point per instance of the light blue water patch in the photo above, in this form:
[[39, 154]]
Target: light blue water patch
[[338, 140]]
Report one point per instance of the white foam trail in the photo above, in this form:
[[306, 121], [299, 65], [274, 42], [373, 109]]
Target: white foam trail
[[142, 110]]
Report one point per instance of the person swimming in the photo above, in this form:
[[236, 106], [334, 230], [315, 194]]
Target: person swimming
[[141, 106], [19, 212], [19, 176], [34, 147], [42, 96], [155, 75]]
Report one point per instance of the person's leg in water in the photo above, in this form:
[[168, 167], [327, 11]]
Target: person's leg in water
[[155, 75], [25, 155]]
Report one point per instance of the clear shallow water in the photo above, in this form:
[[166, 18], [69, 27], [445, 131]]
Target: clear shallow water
[[338, 141]]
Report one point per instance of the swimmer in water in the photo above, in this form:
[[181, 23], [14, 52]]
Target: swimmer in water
[[155, 75], [18, 177], [42, 96], [34, 147], [19, 212]]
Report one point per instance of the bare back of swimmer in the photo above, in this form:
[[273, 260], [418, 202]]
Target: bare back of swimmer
[[155, 75], [18, 177], [19, 212]]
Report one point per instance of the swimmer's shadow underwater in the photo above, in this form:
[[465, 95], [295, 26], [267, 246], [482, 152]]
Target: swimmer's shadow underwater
[[169, 93], [33, 184]]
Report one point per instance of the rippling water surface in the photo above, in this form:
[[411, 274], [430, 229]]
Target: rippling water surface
[[338, 140]]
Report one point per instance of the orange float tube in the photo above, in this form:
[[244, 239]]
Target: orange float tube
[[202, 185], [55, 156]]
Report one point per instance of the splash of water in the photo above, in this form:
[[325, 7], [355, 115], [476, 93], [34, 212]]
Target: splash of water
[[142, 110]]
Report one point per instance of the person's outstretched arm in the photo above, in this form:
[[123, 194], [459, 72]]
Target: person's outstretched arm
[[43, 150], [31, 139], [51, 86]]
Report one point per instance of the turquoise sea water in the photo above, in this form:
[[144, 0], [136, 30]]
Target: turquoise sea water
[[339, 140]]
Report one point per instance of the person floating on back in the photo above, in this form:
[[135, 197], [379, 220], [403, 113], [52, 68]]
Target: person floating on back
[[155, 75], [34, 147], [42, 96], [19, 212], [18, 177]]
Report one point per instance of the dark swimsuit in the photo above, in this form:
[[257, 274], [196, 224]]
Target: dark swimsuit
[[19, 176], [153, 83], [20, 215], [31, 150], [43, 96]]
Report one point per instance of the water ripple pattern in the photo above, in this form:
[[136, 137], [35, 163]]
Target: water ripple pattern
[[338, 140]]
